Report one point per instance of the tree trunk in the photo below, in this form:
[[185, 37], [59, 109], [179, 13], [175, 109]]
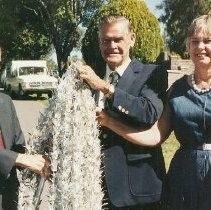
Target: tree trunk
[[62, 61]]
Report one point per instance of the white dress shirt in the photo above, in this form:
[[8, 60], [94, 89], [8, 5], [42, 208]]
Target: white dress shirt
[[120, 70]]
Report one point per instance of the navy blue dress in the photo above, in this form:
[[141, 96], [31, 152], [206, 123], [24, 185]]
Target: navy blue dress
[[189, 176]]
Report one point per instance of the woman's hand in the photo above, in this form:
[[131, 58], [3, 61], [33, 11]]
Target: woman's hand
[[102, 117]]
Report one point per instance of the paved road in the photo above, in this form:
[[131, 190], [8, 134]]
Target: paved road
[[28, 112]]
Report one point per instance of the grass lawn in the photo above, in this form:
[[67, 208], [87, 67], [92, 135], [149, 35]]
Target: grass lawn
[[169, 147]]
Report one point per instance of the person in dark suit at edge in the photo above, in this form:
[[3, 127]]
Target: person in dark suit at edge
[[12, 149], [133, 174]]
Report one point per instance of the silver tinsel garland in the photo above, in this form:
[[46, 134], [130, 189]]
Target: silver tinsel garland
[[67, 133]]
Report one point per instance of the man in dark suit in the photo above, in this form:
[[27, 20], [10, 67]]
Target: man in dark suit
[[11, 155], [133, 173]]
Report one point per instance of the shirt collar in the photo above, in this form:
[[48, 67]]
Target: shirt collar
[[120, 69]]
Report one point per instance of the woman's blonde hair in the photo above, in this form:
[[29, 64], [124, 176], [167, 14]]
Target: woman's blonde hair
[[200, 24]]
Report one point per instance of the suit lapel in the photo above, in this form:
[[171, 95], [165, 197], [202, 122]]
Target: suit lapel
[[135, 70], [130, 74], [4, 133], [4, 124]]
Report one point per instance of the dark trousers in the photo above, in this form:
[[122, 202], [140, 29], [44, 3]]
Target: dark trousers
[[107, 205], [153, 206], [9, 193], [8, 201]]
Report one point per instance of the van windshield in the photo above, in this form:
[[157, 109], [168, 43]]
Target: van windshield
[[31, 70]]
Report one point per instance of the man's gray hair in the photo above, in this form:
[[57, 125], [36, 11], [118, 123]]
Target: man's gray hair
[[114, 19]]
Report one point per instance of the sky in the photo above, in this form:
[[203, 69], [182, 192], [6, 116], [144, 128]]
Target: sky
[[151, 4]]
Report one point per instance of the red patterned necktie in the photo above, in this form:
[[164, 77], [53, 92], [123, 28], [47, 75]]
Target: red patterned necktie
[[1, 141]]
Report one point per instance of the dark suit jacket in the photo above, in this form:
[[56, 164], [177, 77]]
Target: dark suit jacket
[[134, 173], [14, 142]]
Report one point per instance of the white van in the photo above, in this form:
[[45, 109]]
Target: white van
[[28, 77]]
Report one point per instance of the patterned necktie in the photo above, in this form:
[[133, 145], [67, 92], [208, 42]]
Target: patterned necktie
[[113, 78]]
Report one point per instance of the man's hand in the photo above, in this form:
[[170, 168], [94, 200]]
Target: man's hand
[[35, 163], [87, 73]]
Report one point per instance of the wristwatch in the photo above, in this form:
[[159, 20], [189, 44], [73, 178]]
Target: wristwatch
[[110, 91]]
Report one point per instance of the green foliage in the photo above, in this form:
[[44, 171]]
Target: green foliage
[[8, 18], [17, 38], [178, 16], [169, 148], [149, 42], [38, 25], [59, 21], [29, 45]]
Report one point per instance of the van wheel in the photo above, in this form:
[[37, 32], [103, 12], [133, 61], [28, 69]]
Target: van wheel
[[50, 95], [20, 92], [39, 95], [5, 88], [9, 90]]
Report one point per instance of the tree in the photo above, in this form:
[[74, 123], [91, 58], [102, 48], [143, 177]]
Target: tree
[[8, 18], [177, 18], [59, 21], [40, 24], [149, 42], [17, 37], [27, 44]]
